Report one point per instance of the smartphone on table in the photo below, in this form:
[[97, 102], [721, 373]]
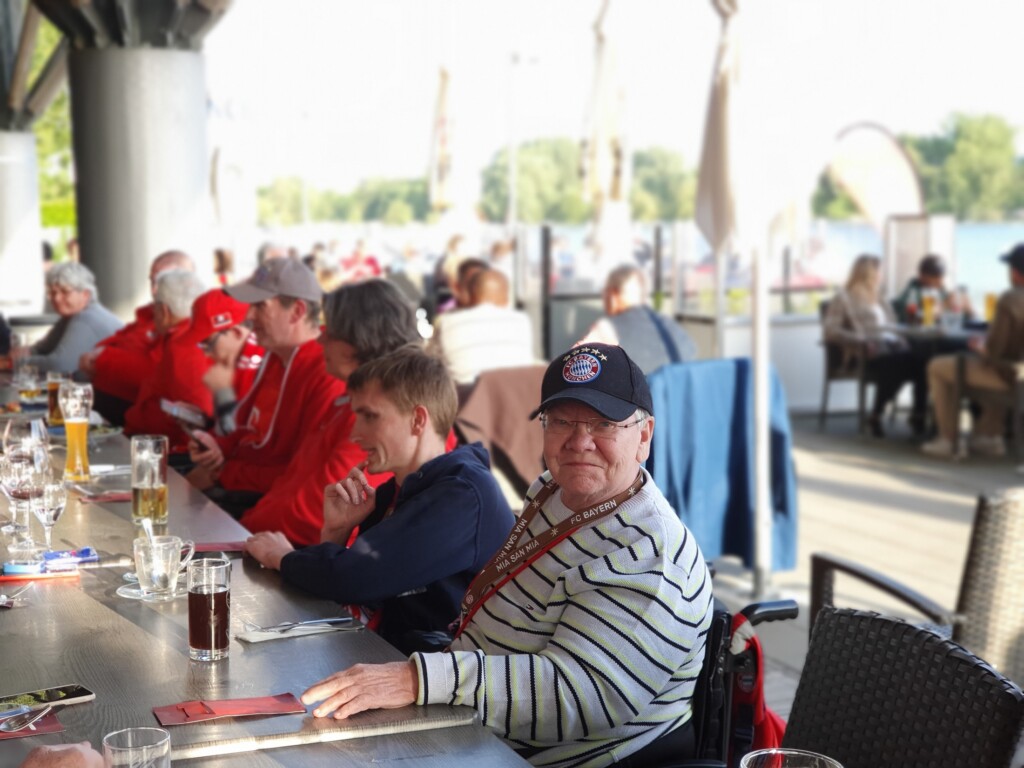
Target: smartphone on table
[[59, 694]]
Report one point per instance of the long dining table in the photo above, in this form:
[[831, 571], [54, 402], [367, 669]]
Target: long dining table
[[134, 655]]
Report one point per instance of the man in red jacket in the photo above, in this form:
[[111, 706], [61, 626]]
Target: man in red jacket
[[291, 397], [364, 321], [119, 363], [219, 327], [178, 374]]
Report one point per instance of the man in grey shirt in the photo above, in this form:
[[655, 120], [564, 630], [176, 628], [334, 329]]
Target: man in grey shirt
[[71, 288], [650, 339]]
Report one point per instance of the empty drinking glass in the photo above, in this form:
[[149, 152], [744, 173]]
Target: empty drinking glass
[[137, 748], [787, 758], [48, 504]]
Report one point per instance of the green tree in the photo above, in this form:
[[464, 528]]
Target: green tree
[[52, 130], [281, 203], [830, 201], [663, 190], [980, 171], [548, 185], [929, 155]]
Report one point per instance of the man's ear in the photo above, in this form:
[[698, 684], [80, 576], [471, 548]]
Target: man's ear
[[420, 420], [646, 433]]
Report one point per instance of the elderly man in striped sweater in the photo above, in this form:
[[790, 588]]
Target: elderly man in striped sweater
[[581, 641]]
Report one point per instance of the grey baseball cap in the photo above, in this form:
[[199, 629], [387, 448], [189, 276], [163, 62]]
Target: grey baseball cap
[[278, 277]]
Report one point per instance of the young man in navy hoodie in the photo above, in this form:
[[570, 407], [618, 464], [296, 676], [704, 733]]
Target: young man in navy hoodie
[[423, 535]]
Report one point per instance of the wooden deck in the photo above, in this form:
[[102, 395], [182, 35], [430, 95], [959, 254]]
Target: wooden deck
[[880, 502]]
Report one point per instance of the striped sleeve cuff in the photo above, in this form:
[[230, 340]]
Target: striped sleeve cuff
[[434, 682]]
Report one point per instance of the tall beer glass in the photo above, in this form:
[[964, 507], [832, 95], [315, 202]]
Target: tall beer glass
[[76, 405], [54, 414], [149, 478]]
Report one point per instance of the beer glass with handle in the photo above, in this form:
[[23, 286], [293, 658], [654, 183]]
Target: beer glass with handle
[[76, 405], [149, 478]]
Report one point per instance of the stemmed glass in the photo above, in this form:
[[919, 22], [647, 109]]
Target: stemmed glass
[[26, 434], [19, 473], [48, 504]]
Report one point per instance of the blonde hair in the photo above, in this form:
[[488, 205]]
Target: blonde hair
[[864, 268]]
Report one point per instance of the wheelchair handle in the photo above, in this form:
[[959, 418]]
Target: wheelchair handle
[[771, 610]]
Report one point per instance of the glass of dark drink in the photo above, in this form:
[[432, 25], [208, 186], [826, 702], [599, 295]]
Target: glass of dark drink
[[209, 608]]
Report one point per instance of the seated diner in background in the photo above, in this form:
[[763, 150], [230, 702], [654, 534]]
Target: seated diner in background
[[486, 333], [992, 368], [425, 533], [71, 289], [178, 375], [219, 327], [931, 271], [581, 641], [291, 397], [363, 321], [857, 314], [650, 339], [119, 362]]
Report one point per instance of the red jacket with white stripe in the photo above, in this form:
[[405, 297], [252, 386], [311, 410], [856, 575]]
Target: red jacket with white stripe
[[288, 400]]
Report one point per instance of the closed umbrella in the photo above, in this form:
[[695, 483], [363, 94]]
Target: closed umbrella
[[725, 217], [604, 156]]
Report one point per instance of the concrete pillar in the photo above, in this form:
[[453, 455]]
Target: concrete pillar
[[21, 234], [139, 132]]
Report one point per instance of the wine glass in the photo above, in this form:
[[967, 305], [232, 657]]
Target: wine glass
[[48, 504], [20, 473], [24, 432]]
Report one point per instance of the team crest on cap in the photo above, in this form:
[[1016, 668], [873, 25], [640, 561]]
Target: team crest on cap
[[581, 368], [223, 320]]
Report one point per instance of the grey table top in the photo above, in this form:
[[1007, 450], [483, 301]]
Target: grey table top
[[134, 654]]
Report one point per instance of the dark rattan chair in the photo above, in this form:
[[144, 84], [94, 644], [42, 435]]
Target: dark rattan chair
[[876, 692], [989, 616]]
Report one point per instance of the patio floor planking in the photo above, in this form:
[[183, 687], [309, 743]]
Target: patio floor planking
[[879, 502]]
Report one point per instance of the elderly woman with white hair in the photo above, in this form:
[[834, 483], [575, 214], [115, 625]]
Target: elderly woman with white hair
[[71, 289]]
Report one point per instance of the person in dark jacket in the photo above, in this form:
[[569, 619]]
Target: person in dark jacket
[[425, 533]]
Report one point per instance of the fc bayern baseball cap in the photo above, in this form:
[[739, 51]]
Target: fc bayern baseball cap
[[601, 376], [278, 277]]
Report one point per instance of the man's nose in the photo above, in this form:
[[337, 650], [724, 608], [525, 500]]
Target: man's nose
[[580, 436]]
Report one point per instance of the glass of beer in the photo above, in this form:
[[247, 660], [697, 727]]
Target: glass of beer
[[54, 415], [149, 478], [76, 404], [991, 299], [209, 608], [26, 379], [928, 309]]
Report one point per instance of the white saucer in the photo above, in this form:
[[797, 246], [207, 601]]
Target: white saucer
[[134, 592]]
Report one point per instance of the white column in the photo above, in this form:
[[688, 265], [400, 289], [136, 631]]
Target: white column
[[21, 233]]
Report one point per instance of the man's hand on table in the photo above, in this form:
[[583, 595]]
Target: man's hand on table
[[268, 547], [976, 344], [362, 687], [346, 504], [64, 756]]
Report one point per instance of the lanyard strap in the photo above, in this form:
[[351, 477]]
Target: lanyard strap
[[511, 560]]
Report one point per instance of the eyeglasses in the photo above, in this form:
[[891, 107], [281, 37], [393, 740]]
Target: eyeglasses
[[595, 427], [208, 344]]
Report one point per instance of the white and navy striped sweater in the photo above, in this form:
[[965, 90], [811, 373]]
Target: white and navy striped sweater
[[594, 650]]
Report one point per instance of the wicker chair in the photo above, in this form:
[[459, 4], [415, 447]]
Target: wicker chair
[[876, 692], [989, 616], [845, 360]]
